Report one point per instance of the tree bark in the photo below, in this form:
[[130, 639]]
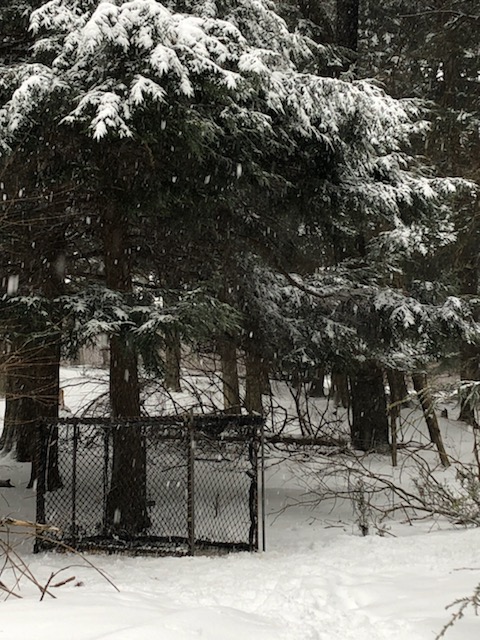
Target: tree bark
[[469, 353], [21, 408], [317, 385], [34, 345], [173, 356], [346, 27], [3, 374], [398, 398], [46, 356], [339, 390], [420, 384], [24, 388], [127, 499], [9, 434], [398, 387], [47, 400], [369, 429], [32, 393], [469, 371], [231, 387], [254, 382]]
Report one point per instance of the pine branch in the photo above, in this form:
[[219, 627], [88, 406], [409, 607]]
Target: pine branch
[[452, 12]]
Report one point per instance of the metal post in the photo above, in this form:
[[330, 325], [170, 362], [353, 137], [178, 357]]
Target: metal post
[[262, 481], [74, 482], [253, 491], [106, 462], [191, 486], [40, 465]]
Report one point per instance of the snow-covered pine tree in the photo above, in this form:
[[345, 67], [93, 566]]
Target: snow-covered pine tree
[[432, 53], [32, 360], [15, 40], [120, 74], [369, 424]]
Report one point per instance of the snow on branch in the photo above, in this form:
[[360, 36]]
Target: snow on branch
[[116, 57], [33, 84]]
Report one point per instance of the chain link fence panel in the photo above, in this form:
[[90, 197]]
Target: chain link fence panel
[[163, 486]]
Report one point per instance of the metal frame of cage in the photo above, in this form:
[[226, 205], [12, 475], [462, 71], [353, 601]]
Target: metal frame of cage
[[216, 461]]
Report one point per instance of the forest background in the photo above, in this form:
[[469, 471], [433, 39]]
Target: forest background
[[285, 190]]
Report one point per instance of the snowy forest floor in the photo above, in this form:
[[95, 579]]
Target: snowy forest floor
[[319, 579]]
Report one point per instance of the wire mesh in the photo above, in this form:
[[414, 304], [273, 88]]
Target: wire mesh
[[161, 486]]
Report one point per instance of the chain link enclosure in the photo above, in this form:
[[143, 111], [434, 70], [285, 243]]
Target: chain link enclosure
[[199, 478]]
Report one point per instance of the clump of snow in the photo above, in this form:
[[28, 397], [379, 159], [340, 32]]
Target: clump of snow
[[12, 285]]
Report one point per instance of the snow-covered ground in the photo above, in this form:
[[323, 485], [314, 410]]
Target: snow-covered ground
[[318, 580]]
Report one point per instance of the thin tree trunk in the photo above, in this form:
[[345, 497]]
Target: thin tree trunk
[[398, 387], [231, 386], [47, 380], [339, 390], [173, 351], [369, 427], [346, 27], [398, 396], [394, 436], [254, 382], [317, 386], [9, 434], [420, 384], [469, 353], [3, 372], [469, 371]]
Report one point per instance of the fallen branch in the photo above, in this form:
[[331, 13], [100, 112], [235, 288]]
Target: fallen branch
[[14, 562], [469, 601]]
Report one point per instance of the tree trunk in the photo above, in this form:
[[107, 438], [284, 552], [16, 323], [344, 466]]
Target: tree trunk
[[231, 387], [347, 24], [127, 497], [32, 393], [254, 382], [420, 384], [47, 380], [369, 427], [173, 351], [9, 434], [469, 371], [124, 387], [451, 77], [469, 353], [21, 408], [3, 373], [126, 500], [317, 385], [398, 398], [46, 359], [339, 390], [398, 388]]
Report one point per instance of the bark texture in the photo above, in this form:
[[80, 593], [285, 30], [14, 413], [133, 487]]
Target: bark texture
[[126, 500], [254, 382], [420, 384], [369, 429], [231, 387], [346, 27]]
